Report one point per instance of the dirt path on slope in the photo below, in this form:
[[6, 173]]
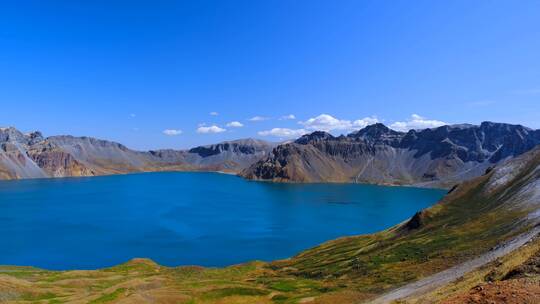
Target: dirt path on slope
[[453, 273]]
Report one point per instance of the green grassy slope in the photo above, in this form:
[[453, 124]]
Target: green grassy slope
[[470, 220]]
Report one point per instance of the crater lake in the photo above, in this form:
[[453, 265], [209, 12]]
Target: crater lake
[[181, 218]]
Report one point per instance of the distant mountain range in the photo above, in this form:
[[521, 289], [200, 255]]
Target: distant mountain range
[[33, 156], [437, 157]]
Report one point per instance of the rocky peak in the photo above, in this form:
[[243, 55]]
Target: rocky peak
[[374, 130], [34, 137], [314, 137], [489, 140], [11, 134], [378, 134]]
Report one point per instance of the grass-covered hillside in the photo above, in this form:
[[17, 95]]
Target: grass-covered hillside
[[474, 218]]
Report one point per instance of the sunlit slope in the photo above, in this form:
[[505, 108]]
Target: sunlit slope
[[473, 218]]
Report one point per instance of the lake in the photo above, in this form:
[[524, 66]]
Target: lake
[[178, 218]]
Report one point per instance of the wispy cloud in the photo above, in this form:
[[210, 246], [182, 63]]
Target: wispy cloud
[[214, 113], [287, 117], [364, 122], [531, 91], [132, 115], [481, 103], [210, 129], [258, 118], [416, 122], [235, 124], [283, 132], [172, 132]]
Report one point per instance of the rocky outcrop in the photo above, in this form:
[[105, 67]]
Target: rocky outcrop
[[33, 156], [438, 157], [59, 163], [232, 156]]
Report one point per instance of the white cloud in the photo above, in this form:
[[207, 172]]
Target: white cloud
[[214, 113], [416, 122], [210, 129], [325, 122], [235, 124], [364, 122], [172, 132], [287, 117], [258, 118], [283, 132]]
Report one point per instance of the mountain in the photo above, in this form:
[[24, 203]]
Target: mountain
[[478, 244], [437, 157], [33, 156], [477, 222], [230, 155]]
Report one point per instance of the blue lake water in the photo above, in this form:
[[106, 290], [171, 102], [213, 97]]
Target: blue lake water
[[175, 219]]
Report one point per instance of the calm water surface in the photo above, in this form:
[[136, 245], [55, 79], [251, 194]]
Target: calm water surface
[[186, 218]]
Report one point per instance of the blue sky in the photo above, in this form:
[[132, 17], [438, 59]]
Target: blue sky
[[150, 74]]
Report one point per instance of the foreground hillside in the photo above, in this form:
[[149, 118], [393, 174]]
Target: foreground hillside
[[33, 156], [438, 157], [485, 229]]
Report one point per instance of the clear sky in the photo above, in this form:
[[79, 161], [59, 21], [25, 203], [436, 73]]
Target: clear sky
[[151, 74]]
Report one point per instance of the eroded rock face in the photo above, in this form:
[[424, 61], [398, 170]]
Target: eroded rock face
[[247, 146], [60, 163], [33, 156], [438, 157]]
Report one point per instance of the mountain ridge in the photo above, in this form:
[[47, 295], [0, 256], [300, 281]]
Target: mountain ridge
[[31, 155], [434, 157]]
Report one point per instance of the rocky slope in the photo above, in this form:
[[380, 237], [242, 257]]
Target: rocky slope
[[439, 157], [33, 156], [476, 220]]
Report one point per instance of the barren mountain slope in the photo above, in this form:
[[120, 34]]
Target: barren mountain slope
[[439, 157], [33, 156]]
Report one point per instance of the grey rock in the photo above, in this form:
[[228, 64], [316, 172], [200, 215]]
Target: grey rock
[[437, 157]]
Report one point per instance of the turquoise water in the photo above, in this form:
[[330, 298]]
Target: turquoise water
[[175, 219]]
